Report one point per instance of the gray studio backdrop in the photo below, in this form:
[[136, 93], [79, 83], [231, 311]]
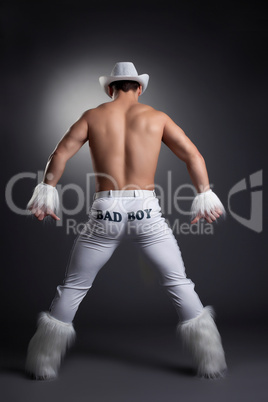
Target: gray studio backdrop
[[208, 72]]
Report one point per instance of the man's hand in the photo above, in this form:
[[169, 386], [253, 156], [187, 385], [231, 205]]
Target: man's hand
[[209, 217], [40, 214]]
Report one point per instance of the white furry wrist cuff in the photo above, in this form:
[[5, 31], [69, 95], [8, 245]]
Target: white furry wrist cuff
[[205, 203], [44, 197]]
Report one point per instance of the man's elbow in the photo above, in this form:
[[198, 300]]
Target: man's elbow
[[194, 158], [57, 154]]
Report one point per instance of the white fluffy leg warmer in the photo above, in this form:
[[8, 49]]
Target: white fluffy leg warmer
[[48, 346], [201, 336]]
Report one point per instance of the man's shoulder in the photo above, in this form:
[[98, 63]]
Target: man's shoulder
[[152, 110], [96, 108], [89, 113], [140, 108]]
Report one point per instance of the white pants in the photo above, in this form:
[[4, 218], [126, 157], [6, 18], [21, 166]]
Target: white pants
[[112, 216]]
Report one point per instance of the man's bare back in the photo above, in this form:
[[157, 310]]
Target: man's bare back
[[125, 138], [125, 141]]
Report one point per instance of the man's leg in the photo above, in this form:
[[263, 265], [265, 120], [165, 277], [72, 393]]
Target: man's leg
[[87, 258], [162, 249], [197, 327], [55, 332]]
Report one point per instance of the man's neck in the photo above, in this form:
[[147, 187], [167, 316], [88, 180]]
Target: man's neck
[[126, 97]]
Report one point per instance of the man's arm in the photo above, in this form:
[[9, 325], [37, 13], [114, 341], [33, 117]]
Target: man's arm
[[45, 198], [175, 138], [68, 146]]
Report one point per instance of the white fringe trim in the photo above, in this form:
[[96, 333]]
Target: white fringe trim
[[45, 197], [48, 346], [206, 202], [201, 336]]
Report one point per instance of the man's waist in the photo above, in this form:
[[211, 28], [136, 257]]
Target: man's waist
[[125, 193]]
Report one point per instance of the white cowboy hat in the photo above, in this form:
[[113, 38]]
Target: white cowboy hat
[[124, 70]]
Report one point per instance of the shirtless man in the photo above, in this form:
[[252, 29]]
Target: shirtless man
[[125, 137]]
